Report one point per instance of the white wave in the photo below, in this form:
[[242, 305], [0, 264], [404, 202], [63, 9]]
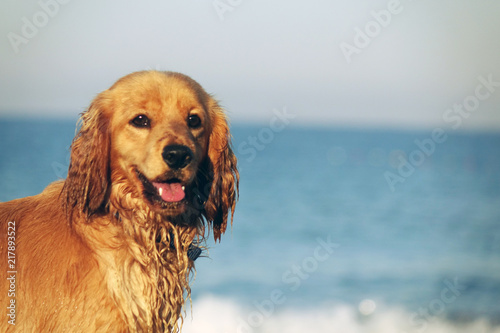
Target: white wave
[[211, 314]]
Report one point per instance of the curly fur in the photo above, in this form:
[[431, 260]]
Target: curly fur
[[93, 253]]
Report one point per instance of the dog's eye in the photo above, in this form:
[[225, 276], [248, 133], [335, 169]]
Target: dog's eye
[[194, 121], [141, 121]]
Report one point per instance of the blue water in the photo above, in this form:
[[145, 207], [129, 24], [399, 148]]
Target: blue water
[[418, 254]]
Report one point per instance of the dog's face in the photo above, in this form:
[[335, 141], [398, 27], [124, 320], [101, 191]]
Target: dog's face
[[160, 128], [161, 139]]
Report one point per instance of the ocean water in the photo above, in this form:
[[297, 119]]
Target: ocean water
[[336, 230]]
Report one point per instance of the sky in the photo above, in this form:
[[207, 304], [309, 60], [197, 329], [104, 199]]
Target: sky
[[387, 64]]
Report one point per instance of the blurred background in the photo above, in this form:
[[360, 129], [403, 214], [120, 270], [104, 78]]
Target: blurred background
[[368, 139]]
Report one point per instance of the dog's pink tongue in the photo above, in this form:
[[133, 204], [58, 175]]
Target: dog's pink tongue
[[172, 192]]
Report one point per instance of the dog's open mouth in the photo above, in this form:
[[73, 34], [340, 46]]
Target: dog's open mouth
[[173, 191], [168, 194]]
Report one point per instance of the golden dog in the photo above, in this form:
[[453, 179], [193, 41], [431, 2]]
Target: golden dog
[[111, 248]]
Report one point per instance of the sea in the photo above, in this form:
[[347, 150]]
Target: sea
[[336, 229]]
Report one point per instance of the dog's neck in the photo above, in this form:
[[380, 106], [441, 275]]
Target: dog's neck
[[145, 263]]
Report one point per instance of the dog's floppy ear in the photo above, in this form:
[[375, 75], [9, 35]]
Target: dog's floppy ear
[[224, 189], [86, 186]]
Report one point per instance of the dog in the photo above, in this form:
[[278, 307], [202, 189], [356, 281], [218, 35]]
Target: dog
[[111, 247]]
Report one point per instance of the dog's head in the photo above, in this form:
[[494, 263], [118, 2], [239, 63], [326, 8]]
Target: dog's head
[[165, 141]]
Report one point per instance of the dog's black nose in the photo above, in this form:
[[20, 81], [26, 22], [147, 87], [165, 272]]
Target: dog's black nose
[[177, 156]]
